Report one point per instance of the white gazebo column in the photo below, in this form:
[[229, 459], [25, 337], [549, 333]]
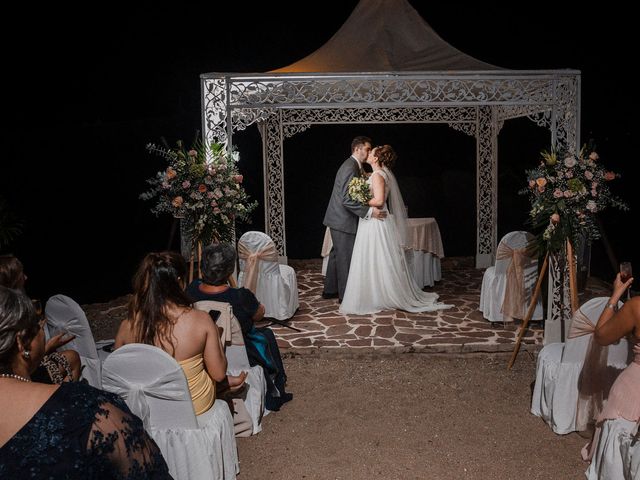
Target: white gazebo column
[[273, 165], [486, 185]]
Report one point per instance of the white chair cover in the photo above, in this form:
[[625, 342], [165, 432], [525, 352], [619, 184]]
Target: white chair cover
[[556, 391], [615, 456], [155, 388], [65, 315], [237, 361], [497, 278], [277, 287]]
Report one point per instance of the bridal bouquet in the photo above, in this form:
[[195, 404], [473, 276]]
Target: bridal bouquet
[[359, 190]]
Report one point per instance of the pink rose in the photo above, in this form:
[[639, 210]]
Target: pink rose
[[593, 156], [216, 210], [177, 202], [609, 176], [588, 175], [540, 189], [557, 193], [567, 194], [186, 184], [214, 203], [555, 218], [570, 162], [569, 174], [541, 182], [238, 178], [192, 153], [170, 174]]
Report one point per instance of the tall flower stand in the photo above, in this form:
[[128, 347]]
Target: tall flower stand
[[563, 301]]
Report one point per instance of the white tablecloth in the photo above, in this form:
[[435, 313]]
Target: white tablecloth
[[423, 253]]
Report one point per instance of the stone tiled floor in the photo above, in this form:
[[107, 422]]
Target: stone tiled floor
[[459, 329]]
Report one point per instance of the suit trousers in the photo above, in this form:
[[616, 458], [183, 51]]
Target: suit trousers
[[335, 280]]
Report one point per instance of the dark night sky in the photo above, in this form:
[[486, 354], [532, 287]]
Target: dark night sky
[[96, 82]]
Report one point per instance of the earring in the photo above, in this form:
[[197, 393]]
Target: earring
[[26, 354]]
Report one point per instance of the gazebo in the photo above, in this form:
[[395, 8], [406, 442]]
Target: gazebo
[[398, 71]]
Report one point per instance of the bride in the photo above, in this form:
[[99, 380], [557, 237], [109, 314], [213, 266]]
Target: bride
[[379, 278]]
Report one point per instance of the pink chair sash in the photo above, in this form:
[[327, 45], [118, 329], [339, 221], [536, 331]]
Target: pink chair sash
[[251, 262], [513, 304], [595, 378]]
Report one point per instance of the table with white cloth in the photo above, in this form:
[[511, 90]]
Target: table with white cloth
[[423, 253]]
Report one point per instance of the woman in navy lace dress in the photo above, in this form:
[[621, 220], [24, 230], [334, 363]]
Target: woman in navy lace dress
[[70, 431]]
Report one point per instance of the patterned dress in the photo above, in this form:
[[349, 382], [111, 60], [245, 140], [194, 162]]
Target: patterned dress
[[81, 432]]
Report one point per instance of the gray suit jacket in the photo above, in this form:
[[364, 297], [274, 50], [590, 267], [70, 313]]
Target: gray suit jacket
[[343, 212]]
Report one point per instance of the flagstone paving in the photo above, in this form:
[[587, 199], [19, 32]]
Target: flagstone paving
[[456, 330]]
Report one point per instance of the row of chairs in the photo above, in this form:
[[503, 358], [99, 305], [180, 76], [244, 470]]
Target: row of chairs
[[571, 386], [155, 388]]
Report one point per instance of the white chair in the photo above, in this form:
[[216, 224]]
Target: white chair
[[155, 389], [276, 286], [616, 457], [556, 392], [515, 273], [65, 315], [238, 361]]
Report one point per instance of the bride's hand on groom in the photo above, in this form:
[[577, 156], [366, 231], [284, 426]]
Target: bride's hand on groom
[[379, 214]]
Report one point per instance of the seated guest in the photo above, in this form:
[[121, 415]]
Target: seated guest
[[217, 264], [72, 430], [160, 314], [56, 367], [623, 401]]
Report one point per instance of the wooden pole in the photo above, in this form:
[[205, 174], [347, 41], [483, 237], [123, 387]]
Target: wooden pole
[[191, 263], [573, 284], [199, 258], [532, 306]]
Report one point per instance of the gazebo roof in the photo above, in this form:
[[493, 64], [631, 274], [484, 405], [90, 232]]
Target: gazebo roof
[[386, 36]]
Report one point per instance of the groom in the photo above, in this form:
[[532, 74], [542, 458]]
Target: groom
[[342, 219]]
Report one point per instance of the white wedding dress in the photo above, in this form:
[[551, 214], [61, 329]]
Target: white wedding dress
[[378, 276]]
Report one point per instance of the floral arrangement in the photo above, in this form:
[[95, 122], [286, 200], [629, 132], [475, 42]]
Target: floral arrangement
[[203, 186], [566, 192], [359, 190]]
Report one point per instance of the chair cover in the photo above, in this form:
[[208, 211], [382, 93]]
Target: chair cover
[[507, 287], [65, 315], [155, 388], [568, 392], [238, 361], [276, 285], [616, 455]]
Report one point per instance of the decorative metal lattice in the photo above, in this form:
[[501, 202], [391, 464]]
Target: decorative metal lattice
[[475, 103], [486, 181]]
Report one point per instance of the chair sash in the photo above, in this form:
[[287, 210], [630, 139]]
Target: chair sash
[[251, 265], [167, 387], [595, 380], [514, 295]]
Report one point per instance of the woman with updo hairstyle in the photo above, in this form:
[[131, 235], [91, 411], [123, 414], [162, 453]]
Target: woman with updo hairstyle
[[217, 265], [379, 278], [56, 367], [160, 314], [70, 431]]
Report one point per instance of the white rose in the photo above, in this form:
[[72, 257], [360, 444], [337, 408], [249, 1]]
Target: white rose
[[569, 162]]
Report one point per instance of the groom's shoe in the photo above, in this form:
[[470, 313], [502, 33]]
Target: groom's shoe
[[327, 296]]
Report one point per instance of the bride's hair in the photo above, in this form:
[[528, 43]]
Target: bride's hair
[[386, 156]]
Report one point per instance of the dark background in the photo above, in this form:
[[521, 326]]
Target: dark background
[[89, 85]]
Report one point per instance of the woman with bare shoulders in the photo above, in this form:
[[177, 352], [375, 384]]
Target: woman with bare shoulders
[[160, 314]]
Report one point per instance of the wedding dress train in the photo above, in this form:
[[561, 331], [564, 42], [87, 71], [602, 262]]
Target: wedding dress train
[[379, 278]]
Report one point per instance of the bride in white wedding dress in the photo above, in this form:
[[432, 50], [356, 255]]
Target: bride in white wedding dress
[[378, 276]]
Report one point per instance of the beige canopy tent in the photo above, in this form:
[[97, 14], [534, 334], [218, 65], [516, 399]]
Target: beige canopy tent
[[387, 65]]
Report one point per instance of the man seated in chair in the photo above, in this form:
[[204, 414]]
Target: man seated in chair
[[217, 265]]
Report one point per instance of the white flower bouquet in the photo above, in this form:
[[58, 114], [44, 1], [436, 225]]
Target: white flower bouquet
[[359, 190]]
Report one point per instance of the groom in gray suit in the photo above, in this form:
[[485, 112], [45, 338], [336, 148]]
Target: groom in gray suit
[[342, 219]]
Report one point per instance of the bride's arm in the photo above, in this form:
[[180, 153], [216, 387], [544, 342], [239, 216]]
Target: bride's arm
[[377, 184]]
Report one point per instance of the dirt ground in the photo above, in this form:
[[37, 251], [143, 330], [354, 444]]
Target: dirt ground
[[409, 416]]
